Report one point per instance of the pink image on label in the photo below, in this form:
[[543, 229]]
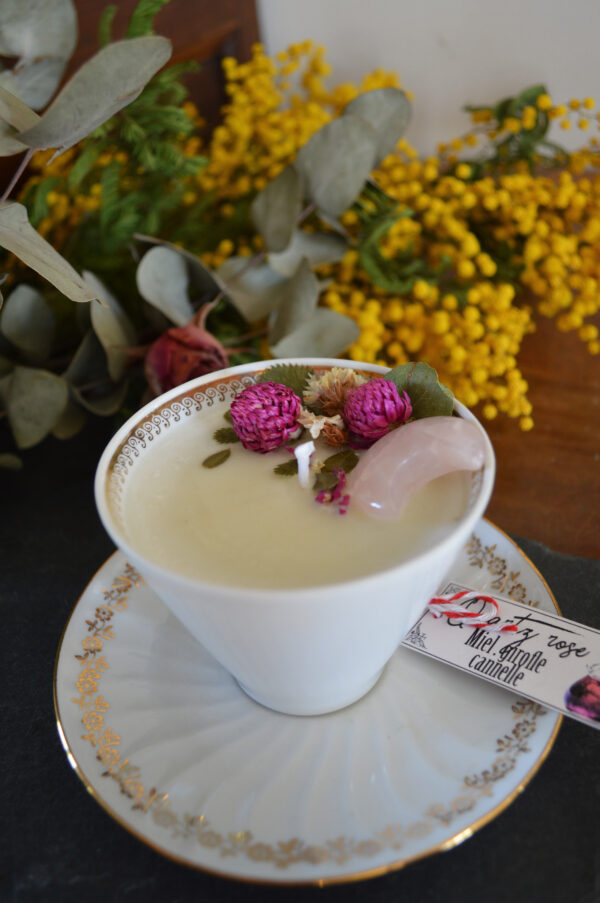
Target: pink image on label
[[583, 697]]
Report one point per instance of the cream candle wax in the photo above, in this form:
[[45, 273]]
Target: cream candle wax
[[240, 524], [302, 605]]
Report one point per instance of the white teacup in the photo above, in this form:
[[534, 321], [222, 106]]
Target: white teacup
[[299, 651]]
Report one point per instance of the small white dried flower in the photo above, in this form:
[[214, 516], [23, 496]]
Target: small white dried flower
[[315, 423], [327, 392]]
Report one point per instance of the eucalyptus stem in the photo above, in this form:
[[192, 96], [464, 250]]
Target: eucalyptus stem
[[17, 175]]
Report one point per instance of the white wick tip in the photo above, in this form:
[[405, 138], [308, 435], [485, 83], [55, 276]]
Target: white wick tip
[[303, 453]]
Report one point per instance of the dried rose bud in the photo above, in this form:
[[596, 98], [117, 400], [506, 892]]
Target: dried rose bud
[[180, 354], [374, 408], [265, 416]]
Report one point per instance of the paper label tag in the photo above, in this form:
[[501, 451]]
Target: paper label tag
[[549, 659]]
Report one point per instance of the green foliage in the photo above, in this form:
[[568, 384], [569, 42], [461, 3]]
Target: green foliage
[[218, 458], [225, 435], [528, 145], [429, 398], [344, 460], [142, 19], [325, 479], [105, 24], [287, 468], [294, 376]]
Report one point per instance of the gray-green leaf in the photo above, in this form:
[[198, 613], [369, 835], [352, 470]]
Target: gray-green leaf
[[27, 321], [256, 292], [299, 300], [36, 400], [429, 398], [18, 235], [336, 162], [43, 36], [203, 282], [162, 280], [70, 422], [387, 110], [112, 326], [15, 112], [325, 334], [106, 83], [88, 364], [10, 462], [9, 142], [277, 207], [101, 405], [317, 247]]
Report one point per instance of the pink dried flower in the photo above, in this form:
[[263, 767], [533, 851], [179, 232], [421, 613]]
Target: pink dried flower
[[265, 416], [374, 408], [331, 496], [182, 353]]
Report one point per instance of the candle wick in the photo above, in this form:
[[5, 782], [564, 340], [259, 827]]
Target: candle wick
[[303, 453]]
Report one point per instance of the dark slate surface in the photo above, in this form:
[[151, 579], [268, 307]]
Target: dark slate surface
[[57, 844]]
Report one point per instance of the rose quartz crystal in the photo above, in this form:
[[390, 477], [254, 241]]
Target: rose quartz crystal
[[406, 459]]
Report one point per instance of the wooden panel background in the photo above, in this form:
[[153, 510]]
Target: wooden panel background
[[200, 30]]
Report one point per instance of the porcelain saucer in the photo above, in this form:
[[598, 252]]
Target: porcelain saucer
[[167, 742]]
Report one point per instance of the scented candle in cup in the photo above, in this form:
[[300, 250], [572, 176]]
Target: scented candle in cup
[[296, 591]]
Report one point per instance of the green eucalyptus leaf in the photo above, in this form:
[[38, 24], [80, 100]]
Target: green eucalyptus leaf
[[325, 334], [9, 142], [6, 366], [71, 421], [101, 404], [387, 110], [203, 281], [294, 376], [112, 326], [16, 113], [336, 162], [5, 381], [277, 207], [162, 280], [429, 398], [27, 322], [10, 462], [317, 247], [88, 364], [218, 458], [43, 35], [254, 290], [35, 402], [106, 83], [300, 296], [18, 235]]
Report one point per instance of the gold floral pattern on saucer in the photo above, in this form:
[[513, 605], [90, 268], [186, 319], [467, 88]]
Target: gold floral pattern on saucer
[[199, 836]]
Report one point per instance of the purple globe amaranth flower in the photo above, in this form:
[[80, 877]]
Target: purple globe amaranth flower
[[182, 353], [374, 408], [265, 416]]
